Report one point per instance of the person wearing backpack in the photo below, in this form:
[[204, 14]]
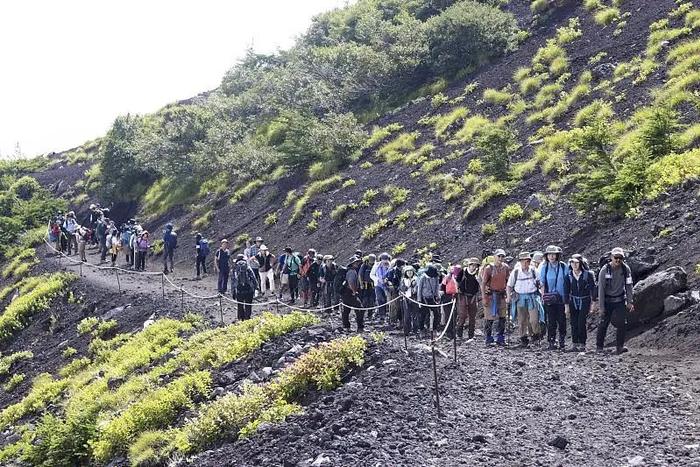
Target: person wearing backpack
[[169, 245], [429, 294], [366, 294], [201, 247], [70, 225], [615, 299], [495, 278], [222, 259], [143, 244], [450, 289], [266, 272], [327, 281], [468, 292], [350, 289], [393, 280], [125, 241], [101, 231], [83, 237], [582, 292], [292, 266], [408, 289], [555, 296], [281, 271], [306, 275], [523, 297], [133, 245], [243, 286], [378, 276]]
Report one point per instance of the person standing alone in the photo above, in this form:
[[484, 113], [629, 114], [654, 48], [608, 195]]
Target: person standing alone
[[615, 299], [221, 265]]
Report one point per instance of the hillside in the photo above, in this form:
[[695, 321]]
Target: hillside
[[418, 128]]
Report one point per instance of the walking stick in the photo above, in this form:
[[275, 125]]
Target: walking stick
[[162, 283], [119, 284]]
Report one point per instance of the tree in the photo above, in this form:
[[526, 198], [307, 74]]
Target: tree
[[496, 146]]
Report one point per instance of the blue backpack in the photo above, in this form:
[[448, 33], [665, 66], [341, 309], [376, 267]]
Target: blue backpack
[[204, 247]]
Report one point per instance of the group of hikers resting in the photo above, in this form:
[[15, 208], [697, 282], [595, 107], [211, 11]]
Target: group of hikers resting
[[537, 295]]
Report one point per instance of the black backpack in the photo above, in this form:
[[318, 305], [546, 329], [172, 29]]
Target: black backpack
[[242, 276], [339, 281]]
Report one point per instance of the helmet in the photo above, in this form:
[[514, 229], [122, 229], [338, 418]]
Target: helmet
[[553, 249]]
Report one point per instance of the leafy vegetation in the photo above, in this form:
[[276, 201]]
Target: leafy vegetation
[[510, 213]]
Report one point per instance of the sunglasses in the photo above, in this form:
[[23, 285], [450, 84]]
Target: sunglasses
[[617, 257], [500, 256]]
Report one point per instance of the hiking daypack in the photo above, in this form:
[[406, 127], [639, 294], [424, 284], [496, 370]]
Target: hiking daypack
[[339, 281], [534, 276], [552, 298], [608, 276], [292, 265], [204, 247], [170, 239], [242, 276], [451, 285], [126, 236]]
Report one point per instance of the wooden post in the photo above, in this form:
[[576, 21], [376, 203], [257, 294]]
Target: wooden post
[[162, 283], [119, 284], [182, 299], [221, 309]]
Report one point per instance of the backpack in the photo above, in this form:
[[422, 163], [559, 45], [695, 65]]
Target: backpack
[[534, 276], [608, 274], [126, 236], [242, 276], [170, 239], [204, 247], [339, 281], [292, 264], [450, 285]]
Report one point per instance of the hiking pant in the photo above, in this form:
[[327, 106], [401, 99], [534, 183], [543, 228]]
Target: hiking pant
[[293, 287], [72, 244], [256, 274], [304, 285], [329, 296], [245, 305], [395, 309], [103, 249], [578, 321], [556, 320], [615, 313], [127, 255], [500, 328], [168, 257], [266, 276], [141, 260], [466, 311], [367, 297], [426, 312], [528, 322], [201, 262], [380, 296], [81, 252], [314, 292], [411, 316], [222, 284], [350, 299]]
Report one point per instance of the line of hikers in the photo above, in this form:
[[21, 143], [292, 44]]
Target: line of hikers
[[538, 294]]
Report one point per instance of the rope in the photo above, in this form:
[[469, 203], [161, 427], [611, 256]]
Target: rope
[[449, 321]]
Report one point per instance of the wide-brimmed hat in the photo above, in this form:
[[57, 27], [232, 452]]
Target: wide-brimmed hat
[[328, 257], [553, 249], [354, 259], [475, 261], [499, 252], [537, 256], [240, 256], [263, 248], [224, 241], [524, 255], [258, 239]]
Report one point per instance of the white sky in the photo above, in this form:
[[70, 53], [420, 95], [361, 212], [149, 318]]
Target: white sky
[[69, 67]]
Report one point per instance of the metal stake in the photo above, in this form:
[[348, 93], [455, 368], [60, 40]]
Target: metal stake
[[437, 389], [119, 284], [221, 309]]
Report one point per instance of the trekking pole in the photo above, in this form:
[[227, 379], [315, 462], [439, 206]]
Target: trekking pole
[[454, 329], [81, 269], [221, 309], [119, 284], [437, 390], [162, 283]]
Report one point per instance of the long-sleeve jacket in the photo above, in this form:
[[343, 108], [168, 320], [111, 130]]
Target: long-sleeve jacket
[[581, 290], [379, 273], [553, 279], [614, 285], [364, 275], [467, 283], [236, 280]]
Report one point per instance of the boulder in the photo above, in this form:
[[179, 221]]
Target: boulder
[[603, 71], [533, 203], [675, 303], [641, 268], [650, 294]]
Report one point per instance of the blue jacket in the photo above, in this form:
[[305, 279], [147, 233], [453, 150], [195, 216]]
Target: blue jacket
[[555, 279]]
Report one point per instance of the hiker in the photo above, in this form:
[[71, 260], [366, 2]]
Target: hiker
[[83, 237], [408, 288], [252, 257], [378, 275], [221, 266], [367, 295], [350, 295], [169, 245], [266, 273], [317, 291], [582, 292], [281, 271], [537, 258], [309, 275], [523, 296], [101, 231], [614, 298], [429, 294], [292, 266], [468, 292], [327, 281], [393, 281], [243, 286], [125, 238], [91, 222], [494, 279], [555, 295], [201, 248], [70, 225], [143, 244], [450, 289], [133, 245], [114, 244]]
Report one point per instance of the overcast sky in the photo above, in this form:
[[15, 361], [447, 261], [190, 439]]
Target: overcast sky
[[69, 67]]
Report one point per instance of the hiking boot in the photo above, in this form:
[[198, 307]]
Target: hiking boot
[[599, 349], [551, 346], [621, 350], [501, 341], [489, 340]]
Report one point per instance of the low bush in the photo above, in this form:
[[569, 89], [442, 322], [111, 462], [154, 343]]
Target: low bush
[[444, 122], [368, 196], [672, 170], [271, 218], [22, 261], [499, 97], [510, 213], [381, 134], [485, 191], [205, 220], [372, 230], [472, 127], [7, 361], [14, 381], [312, 226], [488, 229], [247, 190], [68, 352], [398, 249], [313, 189], [606, 16], [394, 150], [570, 32], [496, 146], [690, 136], [366, 165], [439, 100]]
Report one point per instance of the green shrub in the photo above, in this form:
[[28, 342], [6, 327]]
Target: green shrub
[[485, 191], [429, 167], [372, 230], [313, 189], [271, 218], [339, 212], [521, 74], [546, 55], [672, 170], [165, 194], [68, 352], [496, 146], [398, 249], [472, 127], [494, 96], [690, 136], [14, 381], [312, 226], [510, 213], [438, 100], [7, 361], [444, 122], [570, 32], [488, 229], [606, 16], [394, 150], [241, 240], [205, 220], [368, 196], [21, 262], [692, 19], [380, 134], [247, 190], [538, 6], [348, 183], [366, 165], [531, 84], [323, 169]]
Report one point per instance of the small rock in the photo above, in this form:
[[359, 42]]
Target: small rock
[[253, 376], [266, 372], [571, 416], [636, 460], [559, 442], [441, 442], [519, 363], [346, 404], [538, 408], [389, 361], [114, 383], [479, 439], [321, 460], [219, 391]]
